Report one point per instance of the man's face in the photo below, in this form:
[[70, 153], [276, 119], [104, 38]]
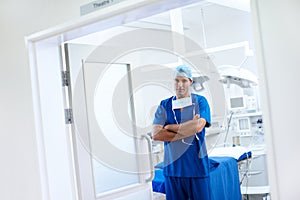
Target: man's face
[[182, 86]]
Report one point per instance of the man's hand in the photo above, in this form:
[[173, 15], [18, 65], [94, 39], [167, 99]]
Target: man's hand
[[161, 133], [201, 122]]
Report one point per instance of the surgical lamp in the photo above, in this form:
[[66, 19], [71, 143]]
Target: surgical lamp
[[231, 74], [198, 82]]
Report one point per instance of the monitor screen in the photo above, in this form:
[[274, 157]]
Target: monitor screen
[[237, 102]]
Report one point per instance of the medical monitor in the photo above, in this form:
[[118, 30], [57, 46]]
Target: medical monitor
[[237, 103]]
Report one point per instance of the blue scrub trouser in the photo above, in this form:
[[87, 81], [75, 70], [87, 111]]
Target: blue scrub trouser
[[178, 188]]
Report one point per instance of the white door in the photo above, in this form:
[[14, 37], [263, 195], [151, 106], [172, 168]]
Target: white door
[[109, 152]]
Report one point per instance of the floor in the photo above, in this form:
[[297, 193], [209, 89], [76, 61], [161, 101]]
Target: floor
[[256, 197], [158, 196]]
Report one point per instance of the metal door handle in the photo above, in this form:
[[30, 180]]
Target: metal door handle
[[253, 173], [150, 157]]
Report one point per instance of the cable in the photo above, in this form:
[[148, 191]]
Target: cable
[[248, 163], [247, 169], [228, 125]]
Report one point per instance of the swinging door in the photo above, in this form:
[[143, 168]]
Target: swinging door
[[113, 161]]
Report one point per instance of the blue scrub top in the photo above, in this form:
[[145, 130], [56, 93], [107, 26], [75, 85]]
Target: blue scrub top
[[180, 159]]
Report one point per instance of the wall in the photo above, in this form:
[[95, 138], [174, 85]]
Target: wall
[[277, 41], [19, 170]]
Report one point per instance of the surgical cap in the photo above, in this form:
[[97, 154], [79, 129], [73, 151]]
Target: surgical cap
[[183, 70]]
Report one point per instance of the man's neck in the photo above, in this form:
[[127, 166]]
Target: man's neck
[[181, 97]]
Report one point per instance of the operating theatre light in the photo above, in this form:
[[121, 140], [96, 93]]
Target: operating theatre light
[[231, 74]]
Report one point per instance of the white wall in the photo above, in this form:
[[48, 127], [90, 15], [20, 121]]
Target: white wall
[[18, 152], [277, 42]]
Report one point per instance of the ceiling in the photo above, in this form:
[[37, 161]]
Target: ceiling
[[203, 15]]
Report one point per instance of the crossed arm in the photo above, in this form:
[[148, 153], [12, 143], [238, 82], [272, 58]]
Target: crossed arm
[[173, 132]]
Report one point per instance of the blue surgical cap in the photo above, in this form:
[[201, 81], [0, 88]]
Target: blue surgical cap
[[183, 70]]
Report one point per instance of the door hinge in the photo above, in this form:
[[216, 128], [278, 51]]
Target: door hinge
[[65, 77], [68, 116]]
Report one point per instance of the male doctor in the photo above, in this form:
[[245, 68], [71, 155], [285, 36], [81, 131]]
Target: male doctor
[[180, 122]]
